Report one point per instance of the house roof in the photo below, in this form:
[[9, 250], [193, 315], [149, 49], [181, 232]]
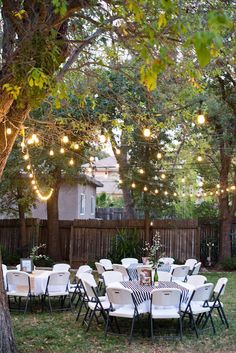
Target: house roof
[[108, 162], [86, 179]]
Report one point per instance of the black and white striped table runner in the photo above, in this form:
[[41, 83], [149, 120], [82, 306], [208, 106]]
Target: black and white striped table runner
[[142, 292]]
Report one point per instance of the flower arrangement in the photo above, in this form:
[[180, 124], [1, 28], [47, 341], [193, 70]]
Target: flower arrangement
[[152, 251], [40, 259]]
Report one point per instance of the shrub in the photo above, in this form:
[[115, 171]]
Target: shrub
[[126, 243], [40, 260], [229, 264]]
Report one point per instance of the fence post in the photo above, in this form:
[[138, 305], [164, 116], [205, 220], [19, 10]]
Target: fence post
[[71, 244]]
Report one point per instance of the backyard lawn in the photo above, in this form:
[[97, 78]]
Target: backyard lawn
[[60, 333]]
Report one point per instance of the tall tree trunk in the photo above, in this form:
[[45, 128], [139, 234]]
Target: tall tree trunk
[[54, 244], [122, 159], [7, 343]]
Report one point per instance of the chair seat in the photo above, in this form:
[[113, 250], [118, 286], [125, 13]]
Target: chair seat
[[216, 304], [165, 313], [54, 294], [197, 308], [105, 305], [124, 311], [18, 293], [182, 279]]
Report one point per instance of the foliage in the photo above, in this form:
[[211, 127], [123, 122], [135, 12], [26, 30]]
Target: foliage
[[152, 251], [229, 264], [126, 243], [106, 200], [40, 260], [9, 258]]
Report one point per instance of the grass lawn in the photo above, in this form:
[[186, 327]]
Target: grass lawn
[[60, 333]]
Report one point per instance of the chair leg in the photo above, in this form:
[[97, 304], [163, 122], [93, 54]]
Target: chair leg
[[151, 327], [180, 328], [131, 331]]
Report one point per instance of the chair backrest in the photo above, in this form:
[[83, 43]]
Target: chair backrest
[[128, 261], [220, 286], [100, 268], [203, 292], [18, 267], [91, 293], [196, 280], [166, 260], [180, 271], [111, 277], [164, 276], [166, 297], [83, 269], [88, 277], [61, 267], [120, 296], [58, 282], [196, 268], [190, 263], [121, 269], [106, 263], [4, 269], [18, 281]]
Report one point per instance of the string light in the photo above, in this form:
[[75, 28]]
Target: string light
[[62, 150], [9, 131], [201, 119], [183, 180], [30, 175], [163, 176], [145, 188], [199, 158], [117, 151], [165, 193], [76, 146], [71, 161], [156, 191], [159, 155], [28, 167], [120, 181], [33, 182], [141, 171], [65, 139], [91, 158], [133, 185], [51, 153], [26, 157], [44, 197], [146, 132]]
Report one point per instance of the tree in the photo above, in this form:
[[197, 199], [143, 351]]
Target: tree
[[35, 45]]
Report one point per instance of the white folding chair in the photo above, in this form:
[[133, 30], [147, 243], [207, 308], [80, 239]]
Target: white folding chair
[[95, 303], [60, 267], [75, 288], [196, 268], [216, 302], [106, 263], [4, 271], [164, 276], [196, 280], [191, 263], [128, 261], [166, 260], [122, 304], [110, 277], [179, 273], [165, 304], [122, 269], [198, 306], [100, 269], [18, 286], [57, 286]]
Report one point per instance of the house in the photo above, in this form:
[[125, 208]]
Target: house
[[106, 171], [76, 201]]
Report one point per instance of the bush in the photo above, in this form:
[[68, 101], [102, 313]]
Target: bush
[[229, 264], [126, 243], [9, 259], [40, 260]]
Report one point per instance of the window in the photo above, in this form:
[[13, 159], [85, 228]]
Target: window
[[93, 205], [82, 204]]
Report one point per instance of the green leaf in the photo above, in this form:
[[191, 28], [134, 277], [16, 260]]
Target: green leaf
[[203, 54]]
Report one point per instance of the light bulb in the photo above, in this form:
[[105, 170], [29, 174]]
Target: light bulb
[[166, 193], [9, 131], [26, 157], [33, 182], [146, 132], [30, 141], [201, 118], [117, 151], [91, 158], [218, 186], [199, 158], [133, 185], [62, 150], [159, 155], [183, 180], [65, 139], [145, 188], [120, 181], [156, 191], [31, 175], [233, 187], [28, 167], [163, 176], [141, 171], [71, 162], [175, 194], [76, 146], [51, 153]]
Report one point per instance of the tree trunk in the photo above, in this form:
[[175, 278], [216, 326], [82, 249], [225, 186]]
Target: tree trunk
[[7, 343], [54, 244]]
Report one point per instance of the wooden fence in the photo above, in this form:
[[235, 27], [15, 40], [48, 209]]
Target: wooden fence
[[89, 240]]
